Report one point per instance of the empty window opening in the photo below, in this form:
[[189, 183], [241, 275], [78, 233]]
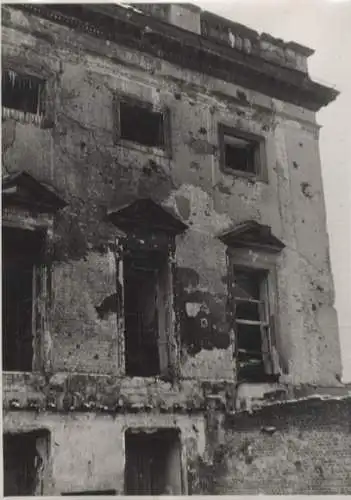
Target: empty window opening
[[20, 253], [25, 458], [22, 92], [153, 463], [252, 323], [141, 124], [240, 154], [144, 313]]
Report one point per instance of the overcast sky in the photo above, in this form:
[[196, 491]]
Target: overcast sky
[[324, 26]]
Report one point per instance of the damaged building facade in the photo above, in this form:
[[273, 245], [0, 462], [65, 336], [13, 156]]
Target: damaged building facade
[[168, 319]]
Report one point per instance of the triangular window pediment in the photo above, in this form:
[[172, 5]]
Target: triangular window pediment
[[251, 234], [147, 215], [22, 189]]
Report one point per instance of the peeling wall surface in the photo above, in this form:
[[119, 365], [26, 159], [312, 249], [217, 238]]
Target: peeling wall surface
[[82, 396]]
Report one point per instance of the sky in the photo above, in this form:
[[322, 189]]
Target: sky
[[324, 26]]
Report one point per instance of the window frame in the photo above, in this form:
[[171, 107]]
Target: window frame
[[265, 264], [39, 118], [41, 286], [173, 438], [166, 150], [165, 336], [260, 155]]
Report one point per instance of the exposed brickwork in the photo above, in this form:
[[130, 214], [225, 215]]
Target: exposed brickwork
[[80, 393]]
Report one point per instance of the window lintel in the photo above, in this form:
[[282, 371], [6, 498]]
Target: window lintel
[[251, 234], [22, 189]]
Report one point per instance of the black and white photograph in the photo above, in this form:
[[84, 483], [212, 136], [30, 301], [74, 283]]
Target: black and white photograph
[[176, 248]]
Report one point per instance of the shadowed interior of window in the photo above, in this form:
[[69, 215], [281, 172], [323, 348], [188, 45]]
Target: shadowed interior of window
[[143, 311], [22, 92], [141, 124], [25, 456], [21, 251], [251, 318], [153, 463]]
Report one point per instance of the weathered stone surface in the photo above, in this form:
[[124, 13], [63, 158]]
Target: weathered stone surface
[[84, 400]]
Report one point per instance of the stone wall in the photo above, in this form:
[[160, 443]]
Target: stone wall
[[79, 157], [295, 447]]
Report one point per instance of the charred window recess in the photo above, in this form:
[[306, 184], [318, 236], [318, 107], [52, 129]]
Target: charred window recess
[[153, 462], [25, 459], [142, 124], [145, 313], [21, 251], [241, 153], [253, 325], [22, 92]]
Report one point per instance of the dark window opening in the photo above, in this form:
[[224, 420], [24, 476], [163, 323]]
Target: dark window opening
[[240, 154], [22, 92], [153, 463], [24, 457], [142, 125], [252, 323], [20, 253], [143, 312]]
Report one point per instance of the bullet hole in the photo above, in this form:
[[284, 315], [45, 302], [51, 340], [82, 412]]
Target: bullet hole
[[320, 288], [295, 165], [314, 307], [298, 465], [306, 189], [110, 181], [202, 130], [303, 221], [78, 346], [177, 96], [147, 170], [195, 165], [319, 470], [203, 323], [300, 144], [153, 165], [82, 145], [241, 96], [69, 353], [96, 356], [240, 113], [246, 450]]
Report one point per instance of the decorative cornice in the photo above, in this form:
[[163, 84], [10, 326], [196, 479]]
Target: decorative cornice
[[189, 50]]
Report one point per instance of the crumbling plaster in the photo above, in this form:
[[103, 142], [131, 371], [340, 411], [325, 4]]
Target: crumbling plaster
[[79, 157], [95, 457]]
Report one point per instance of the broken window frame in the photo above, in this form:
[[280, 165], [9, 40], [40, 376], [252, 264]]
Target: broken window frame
[[268, 323], [20, 114], [166, 148], [18, 218], [259, 155], [164, 301]]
